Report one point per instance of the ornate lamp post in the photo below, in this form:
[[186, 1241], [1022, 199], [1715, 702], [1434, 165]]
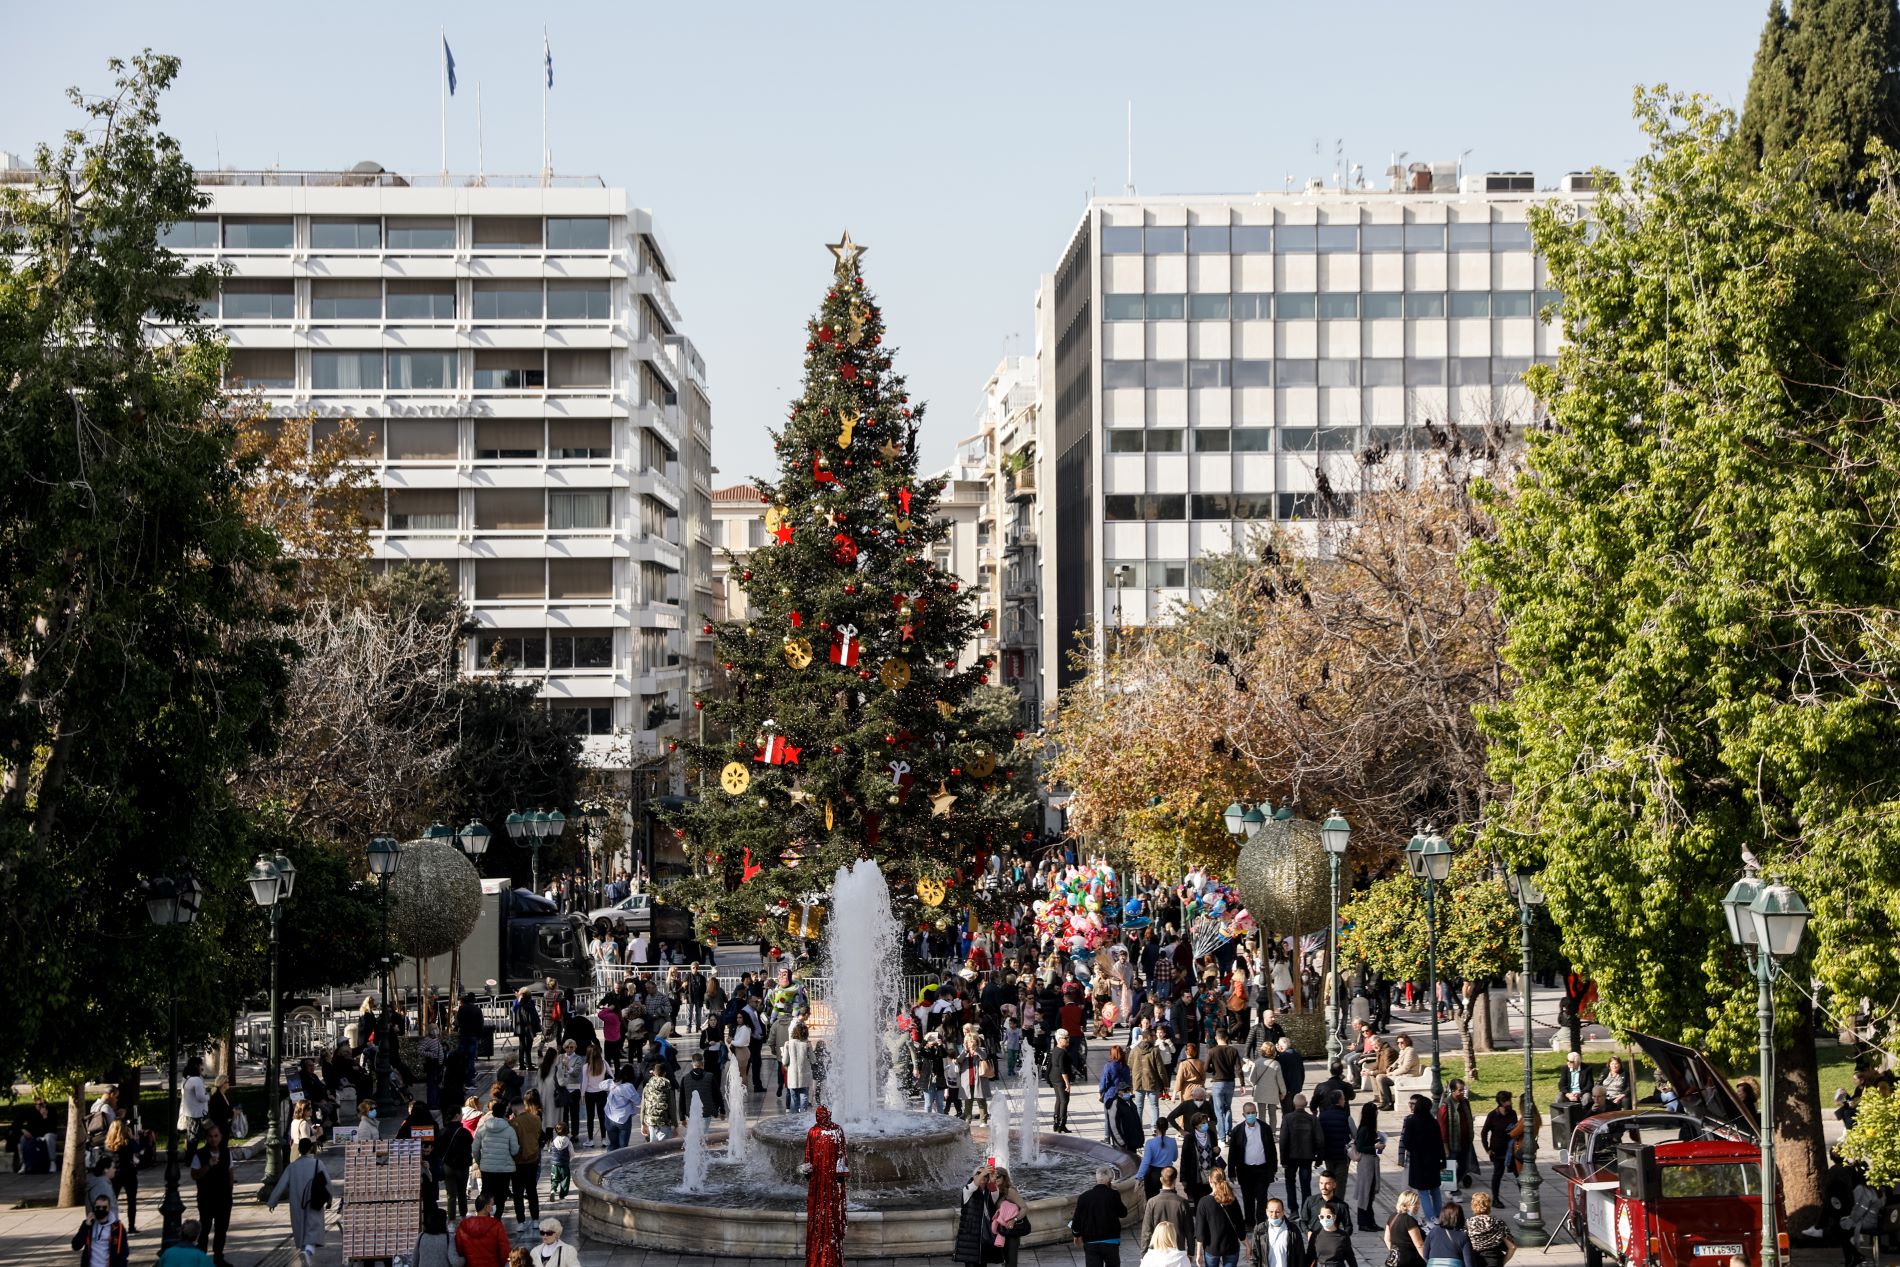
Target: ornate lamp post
[[1767, 922], [533, 831], [1429, 859], [271, 881], [474, 842], [169, 900], [1530, 1214], [383, 854], [1334, 834]]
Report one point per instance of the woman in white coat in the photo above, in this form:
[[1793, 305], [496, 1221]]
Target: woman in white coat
[[306, 1218], [552, 1251]]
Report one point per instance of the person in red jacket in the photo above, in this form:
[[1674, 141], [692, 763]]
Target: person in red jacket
[[480, 1238]]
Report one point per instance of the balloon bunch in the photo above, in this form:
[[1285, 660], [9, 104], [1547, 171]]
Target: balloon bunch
[[1081, 908], [1215, 916]]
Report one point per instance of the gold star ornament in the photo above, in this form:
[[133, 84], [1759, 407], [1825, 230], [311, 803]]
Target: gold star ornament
[[846, 252], [940, 803]]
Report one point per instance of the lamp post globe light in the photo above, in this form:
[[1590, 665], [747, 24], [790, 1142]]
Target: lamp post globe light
[[171, 900], [1766, 921], [1335, 833], [1431, 859], [1530, 1214], [271, 880]]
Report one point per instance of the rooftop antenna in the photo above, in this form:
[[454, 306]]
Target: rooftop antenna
[[1339, 162], [481, 171], [1129, 189]]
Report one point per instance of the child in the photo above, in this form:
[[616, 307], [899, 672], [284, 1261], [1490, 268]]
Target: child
[[953, 1085], [1012, 1039], [561, 1153]]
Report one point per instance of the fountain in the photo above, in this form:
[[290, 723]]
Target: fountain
[[906, 1167], [999, 1128]]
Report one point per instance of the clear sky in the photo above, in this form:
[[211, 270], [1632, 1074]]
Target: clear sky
[[957, 140]]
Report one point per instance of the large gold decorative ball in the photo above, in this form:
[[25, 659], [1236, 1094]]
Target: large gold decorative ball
[[1282, 876]]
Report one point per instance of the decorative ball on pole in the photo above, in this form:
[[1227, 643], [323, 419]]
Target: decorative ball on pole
[[1281, 875]]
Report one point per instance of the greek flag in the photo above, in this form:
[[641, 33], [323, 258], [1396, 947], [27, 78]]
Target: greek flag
[[547, 58], [449, 59]]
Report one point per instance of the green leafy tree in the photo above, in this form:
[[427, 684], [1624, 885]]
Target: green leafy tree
[[1699, 589], [142, 659], [1874, 1138], [1829, 73], [849, 656], [1478, 934]]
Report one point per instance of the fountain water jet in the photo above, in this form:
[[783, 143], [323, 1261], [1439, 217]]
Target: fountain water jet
[[1031, 1154], [1000, 1116], [693, 1150], [737, 1140]]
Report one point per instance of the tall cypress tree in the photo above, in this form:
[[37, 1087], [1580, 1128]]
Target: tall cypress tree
[[1827, 71], [847, 727]]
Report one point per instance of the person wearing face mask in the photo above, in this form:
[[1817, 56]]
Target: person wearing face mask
[[100, 1239], [1330, 1244], [1275, 1242], [1200, 1157], [1252, 1158]]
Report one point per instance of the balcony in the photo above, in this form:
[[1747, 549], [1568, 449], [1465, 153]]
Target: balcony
[[1018, 540], [1020, 485], [1019, 584]]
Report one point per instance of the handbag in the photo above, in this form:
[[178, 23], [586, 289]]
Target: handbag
[[240, 1124]]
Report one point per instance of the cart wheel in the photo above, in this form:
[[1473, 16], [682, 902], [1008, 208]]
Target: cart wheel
[[1592, 1256]]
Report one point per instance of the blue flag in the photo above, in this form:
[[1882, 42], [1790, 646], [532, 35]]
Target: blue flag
[[449, 58], [547, 58]]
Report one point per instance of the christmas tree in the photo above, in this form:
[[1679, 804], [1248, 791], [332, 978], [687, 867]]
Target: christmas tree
[[847, 726]]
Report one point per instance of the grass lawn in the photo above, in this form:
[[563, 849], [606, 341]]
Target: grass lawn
[[1504, 1071]]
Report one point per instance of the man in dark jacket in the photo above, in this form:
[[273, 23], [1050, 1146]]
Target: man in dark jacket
[[1335, 1081], [1097, 1221], [698, 1082], [1454, 1123], [1335, 1128], [1253, 1160], [1064, 1066], [1292, 1070], [1300, 1143], [1124, 1123], [1326, 1198], [1572, 1101], [1168, 1206]]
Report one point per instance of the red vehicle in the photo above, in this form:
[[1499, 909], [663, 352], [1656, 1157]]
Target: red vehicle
[[1673, 1186]]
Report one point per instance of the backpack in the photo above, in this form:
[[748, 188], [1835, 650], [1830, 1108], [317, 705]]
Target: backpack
[[318, 1197]]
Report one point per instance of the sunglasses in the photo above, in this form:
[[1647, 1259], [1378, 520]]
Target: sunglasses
[[548, 1233]]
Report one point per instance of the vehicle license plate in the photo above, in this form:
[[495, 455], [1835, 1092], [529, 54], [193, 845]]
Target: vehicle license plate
[[1725, 1250]]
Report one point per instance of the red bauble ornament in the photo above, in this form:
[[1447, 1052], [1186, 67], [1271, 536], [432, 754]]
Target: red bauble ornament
[[986, 625], [955, 772], [865, 674], [672, 745], [706, 628], [909, 558], [850, 588], [746, 575], [836, 749], [1009, 774], [728, 666], [810, 346], [824, 624], [890, 739], [844, 551], [1019, 734], [824, 334], [949, 664], [876, 339], [698, 704], [953, 587], [764, 500], [983, 678]]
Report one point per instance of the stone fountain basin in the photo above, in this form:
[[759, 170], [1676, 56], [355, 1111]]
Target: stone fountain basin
[[898, 1148], [735, 1231]]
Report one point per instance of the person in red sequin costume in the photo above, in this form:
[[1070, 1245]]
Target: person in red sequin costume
[[824, 1193]]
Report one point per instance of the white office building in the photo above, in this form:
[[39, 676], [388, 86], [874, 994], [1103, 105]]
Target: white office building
[[1212, 363], [540, 425]]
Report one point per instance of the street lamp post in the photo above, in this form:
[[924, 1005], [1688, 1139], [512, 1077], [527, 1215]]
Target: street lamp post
[[1530, 1212], [384, 853], [1766, 921], [1429, 858], [169, 900], [271, 881], [1122, 573], [533, 831], [1334, 833]]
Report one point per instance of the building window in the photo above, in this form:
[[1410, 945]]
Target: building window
[[346, 300], [509, 370], [509, 510], [1253, 439], [1381, 237], [422, 439], [507, 301], [1384, 371], [1253, 307], [1167, 573], [1294, 505], [507, 232], [1124, 440], [1209, 307], [1338, 439], [580, 578], [265, 369], [585, 717], [580, 439], [423, 510], [1123, 374], [1469, 237], [1209, 373], [1424, 371], [1382, 307], [1211, 506], [1212, 440], [1424, 303], [1253, 373], [1424, 237], [589, 649], [1333, 307], [504, 580], [1168, 440], [1251, 239], [1470, 371], [580, 233], [421, 233], [507, 439], [1338, 239], [1121, 308], [189, 235], [581, 509], [1511, 237], [1297, 439], [421, 300], [248, 234], [1162, 240], [1296, 239], [259, 300], [345, 235], [1508, 371], [1167, 307], [1511, 303], [421, 371], [1296, 307], [1338, 373], [346, 371], [1208, 239], [578, 301], [571, 369], [1167, 374], [1127, 507], [1300, 373], [505, 649], [1469, 303], [1125, 240]]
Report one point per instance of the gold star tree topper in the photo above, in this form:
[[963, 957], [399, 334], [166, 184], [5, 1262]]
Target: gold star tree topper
[[846, 252]]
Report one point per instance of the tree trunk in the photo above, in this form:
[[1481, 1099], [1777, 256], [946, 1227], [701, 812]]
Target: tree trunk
[[72, 1168], [1473, 1001], [1800, 1150], [226, 1063]]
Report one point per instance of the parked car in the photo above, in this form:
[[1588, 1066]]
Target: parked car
[[630, 914]]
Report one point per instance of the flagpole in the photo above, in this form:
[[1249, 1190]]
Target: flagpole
[[442, 55], [546, 164], [480, 164]]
